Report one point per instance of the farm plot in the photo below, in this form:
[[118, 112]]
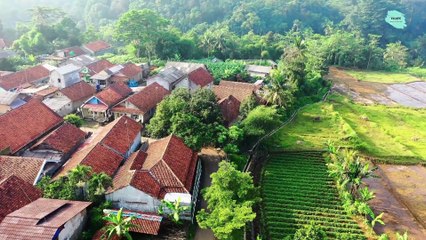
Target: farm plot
[[296, 190]]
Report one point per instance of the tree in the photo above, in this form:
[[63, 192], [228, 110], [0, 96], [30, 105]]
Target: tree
[[310, 232], [74, 120], [172, 209], [279, 92], [260, 121], [396, 56], [193, 117], [248, 105], [230, 200], [142, 28], [117, 225], [97, 186], [46, 15]]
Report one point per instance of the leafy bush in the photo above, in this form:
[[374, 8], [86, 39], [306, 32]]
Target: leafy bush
[[310, 232], [74, 120]]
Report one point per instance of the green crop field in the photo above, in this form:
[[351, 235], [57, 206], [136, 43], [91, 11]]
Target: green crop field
[[388, 134], [382, 77], [296, 190]]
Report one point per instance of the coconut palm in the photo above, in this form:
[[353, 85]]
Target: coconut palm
[[97, 185], [278, 91], [117, 226]]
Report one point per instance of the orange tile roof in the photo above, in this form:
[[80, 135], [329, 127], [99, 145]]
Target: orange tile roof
[[16, 193], [240, 92], [25, 168], [97, 46], [40, 219], [25, 124], [106, 152], [144, 100], [114, 94], [201, 77], [23, 78], [130, 70], [167, 166], [230, 107], [99, 66], [64, 139], [79, 91], [46, 92]]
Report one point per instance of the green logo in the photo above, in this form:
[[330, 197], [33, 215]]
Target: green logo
[[396, 19]]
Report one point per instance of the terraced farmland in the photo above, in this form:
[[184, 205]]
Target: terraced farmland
[[296, 191]]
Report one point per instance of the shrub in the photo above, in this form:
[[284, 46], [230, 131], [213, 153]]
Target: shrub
[[310, 232], [74, 120]]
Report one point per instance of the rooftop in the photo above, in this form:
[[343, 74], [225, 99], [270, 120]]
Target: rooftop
[[25, 124], [40, 219], [21, 78], [97, 46], [16, 193], [171, 75], [185, 67], [28, 169], [78, 91], [240, 91], [67, 69], [201, 77]]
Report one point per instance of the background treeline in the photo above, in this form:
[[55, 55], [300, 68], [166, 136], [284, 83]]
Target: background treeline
[[351, 33]]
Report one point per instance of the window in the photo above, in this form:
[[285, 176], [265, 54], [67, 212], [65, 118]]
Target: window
[[59, 80]]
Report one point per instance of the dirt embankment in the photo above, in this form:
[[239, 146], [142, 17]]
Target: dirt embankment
[[401, 195]]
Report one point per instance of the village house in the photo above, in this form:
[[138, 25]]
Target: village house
[[168, 167], [98, 66], [65, 76], [230, 95], [46, 219], [37, 75], [97, 48], [185, 67], [25, 125], [141, 106], [108, 149], [169, 78], [70, 52], [129, 74], [258, 71], [69, 99], [81, 61], [98, 107], [57, 147], [15, 193], [9, 101], [27, 168]]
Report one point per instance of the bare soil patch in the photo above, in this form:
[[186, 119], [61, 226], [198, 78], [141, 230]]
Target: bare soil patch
[[400, 194]]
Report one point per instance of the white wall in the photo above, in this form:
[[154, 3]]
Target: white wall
[[54, 76], [185, 83], [133, 199], [73, 227], [163, 83]]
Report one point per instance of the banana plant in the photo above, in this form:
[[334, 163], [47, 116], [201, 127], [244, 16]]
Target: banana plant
[[174, 210]]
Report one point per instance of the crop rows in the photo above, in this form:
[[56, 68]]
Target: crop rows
[[296, 190]]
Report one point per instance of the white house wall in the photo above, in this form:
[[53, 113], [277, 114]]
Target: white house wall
[[73, 227], [133, 199], [163, 83]]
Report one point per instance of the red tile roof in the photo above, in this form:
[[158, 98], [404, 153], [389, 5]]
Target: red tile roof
[[16, 193], [131, 70], [23, 78], [201, 77], [114, 94], [76, 50], [240, 91], [25, 124], [167, 166], [99, 66], [144, 100], [230, 107], [40, 219], [106, 152], [64, 139], [79, 91], [97, 46], [25, 168], [46, 92]]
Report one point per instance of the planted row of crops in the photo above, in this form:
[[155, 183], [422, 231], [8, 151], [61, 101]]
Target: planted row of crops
[[296, 191]]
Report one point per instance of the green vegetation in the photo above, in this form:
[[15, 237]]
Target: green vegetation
[[230, 200], [388, 134], [382, 77], [74, 119], [172, 210], [296, 191], [117, 226]]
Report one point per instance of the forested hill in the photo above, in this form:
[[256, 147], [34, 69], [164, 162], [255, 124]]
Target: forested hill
[[259, 16]]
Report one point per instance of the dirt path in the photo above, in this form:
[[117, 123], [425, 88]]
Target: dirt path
[[210, 161], [393, 189]]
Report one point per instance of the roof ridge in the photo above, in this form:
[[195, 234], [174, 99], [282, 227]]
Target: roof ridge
[[179, 181]]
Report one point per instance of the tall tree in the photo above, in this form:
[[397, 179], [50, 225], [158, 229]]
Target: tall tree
[[142, 28], [396, 55], [230, 200]]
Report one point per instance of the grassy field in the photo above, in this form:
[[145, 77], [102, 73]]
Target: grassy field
[[296, 190], [383, 77], [388, 134]]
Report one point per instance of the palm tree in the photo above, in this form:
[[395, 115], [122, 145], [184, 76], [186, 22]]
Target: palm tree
[[277, 92], [174, 209], [117, 225], [98, 185], [79, 177]]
